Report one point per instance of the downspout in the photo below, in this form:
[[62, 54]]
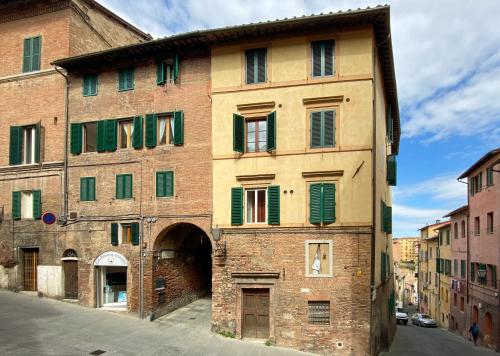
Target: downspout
[[374, 195], [64, 212], [141, 270]]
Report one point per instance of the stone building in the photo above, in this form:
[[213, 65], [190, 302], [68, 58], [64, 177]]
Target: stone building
[[305, 131], [483, 241], [459, 304], [32, 127]]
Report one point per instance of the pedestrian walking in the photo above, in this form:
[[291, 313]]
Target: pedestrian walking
[[474, 331]]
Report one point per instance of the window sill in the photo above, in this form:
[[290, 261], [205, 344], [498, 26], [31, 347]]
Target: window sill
[[319, 275], [255, 154], [87, 95], [122, 90], [86, 201], [170, 197], [124, 198]]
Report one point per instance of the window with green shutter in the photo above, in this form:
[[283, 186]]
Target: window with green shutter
[[101, 136], [89, 86], [386, 217], [391, 170], [322, 203], [178, 128], [124, 186], [472, 272], [16, 205], [323, 58], [31, 54], [256, 65], [151, 130], [167, 70], [137, 132], [455, 267], [237, 206], [24, 144], [273, 205], [322, 129], [87, 188], [489, 176], [164, 184], [383, 266], [114, 234], [389, 124], [493, 276], [37, 203], [462, 268], [126, 79], [111, 135], [76, 138], [256, 134]]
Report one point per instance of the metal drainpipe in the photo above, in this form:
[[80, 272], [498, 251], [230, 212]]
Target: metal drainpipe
[[66, 128], [141, 270]]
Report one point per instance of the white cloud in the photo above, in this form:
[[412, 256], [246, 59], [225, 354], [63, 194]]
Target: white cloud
[[441, 188]]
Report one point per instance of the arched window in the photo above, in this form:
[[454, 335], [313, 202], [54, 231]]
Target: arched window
[[463, 229], [70, 253], [455, 230]]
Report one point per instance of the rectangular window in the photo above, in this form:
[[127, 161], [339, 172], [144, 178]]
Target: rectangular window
[[323, 58], [322, 203], [462, 268], [322, 128], [89, 133], [493, 274], [27, 205], [124, 186], [126, 79], [489, 221], [477, 227], [164, 184], [165, 129], [125, 132], [256, 65], [319, 258], [447, 237], [318, 312], [126, 233], [87, 188], [462, 304], [482, 274], [29, 145], [256, 135], [256, 206], [454, 299], [89, 85], [472, 272], [31, 54], [167, 70], [489, 176], [455, 267]]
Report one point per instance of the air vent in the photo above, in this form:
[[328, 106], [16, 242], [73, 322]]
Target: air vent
[[73, 215]]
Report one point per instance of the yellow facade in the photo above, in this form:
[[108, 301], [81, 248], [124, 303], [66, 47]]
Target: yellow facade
[[444, 275], [407, 249]]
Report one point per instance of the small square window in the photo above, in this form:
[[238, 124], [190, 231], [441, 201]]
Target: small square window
[[125, 131], [318, 312], [124, 186], [319, 258], [87, 189], [126, 79], [256, 206], [89, 85]]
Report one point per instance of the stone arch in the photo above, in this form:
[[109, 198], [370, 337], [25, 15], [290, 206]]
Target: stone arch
[[69, 254], [181, 267]]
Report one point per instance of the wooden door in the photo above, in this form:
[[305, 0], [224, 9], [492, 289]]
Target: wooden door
[[256, 313], [71, 279], [30, 272]]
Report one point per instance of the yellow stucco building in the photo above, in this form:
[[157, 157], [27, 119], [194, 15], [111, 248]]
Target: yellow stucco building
[[305, 131], [445, 270]]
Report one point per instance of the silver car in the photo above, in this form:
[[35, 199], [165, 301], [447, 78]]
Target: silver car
[[423, 320]]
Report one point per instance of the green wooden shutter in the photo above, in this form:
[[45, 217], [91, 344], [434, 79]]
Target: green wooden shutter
[[135, 233], [238, 133], [494, 275], [16, 145], [35, 55], [271, 131], [328, 128], [137, 134], [178, 128], [87, 189], [160, 184], [316, 50], [328, 203], [160, 72], [316, 131], [37, 204], [121, 80], [176, 68], [119, 186], [16, 205], [262, 65], [151, 139], [273, 205], [329, 49], [127, 186], [250, 66], [438, 265], [101, 136], [169, 184], [85, 85], [462, 268], [389, 219], [76, 138], [111, 135], [237, 206], [391, 170], [83, 189], [315, 203], [27, 55], [114, 234], [38, 132], [472, 275]]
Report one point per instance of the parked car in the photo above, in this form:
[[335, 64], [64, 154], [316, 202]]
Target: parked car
[[401, 316], [423, 320]]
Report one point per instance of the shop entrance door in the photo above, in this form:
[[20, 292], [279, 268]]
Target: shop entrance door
[[30, 268], [114, 286], [256, 313]]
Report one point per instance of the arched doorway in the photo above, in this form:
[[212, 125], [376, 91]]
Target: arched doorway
[[475, 313], [182, 267], [70, 268], [488, 326]]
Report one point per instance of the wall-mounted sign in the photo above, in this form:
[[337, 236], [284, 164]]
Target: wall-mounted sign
[[49, 218], [111, 258]]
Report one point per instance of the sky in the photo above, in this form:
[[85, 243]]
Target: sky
[[447, 61]]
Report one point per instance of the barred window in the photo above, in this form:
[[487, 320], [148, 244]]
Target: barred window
[[318, 313]]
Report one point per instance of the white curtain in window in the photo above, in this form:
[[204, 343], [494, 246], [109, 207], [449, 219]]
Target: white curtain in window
[[163, 126]]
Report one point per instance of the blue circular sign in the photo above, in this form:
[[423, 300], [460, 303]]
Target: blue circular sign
[[49, 218]]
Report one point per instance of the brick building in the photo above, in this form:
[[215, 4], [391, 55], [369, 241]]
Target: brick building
[[305, 133], [32, 126], [483, 253]]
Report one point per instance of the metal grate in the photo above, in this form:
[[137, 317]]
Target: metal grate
[[30, 269], [318, 313], [97, 352]]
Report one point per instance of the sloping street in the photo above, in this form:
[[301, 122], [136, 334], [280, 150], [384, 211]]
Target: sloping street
[[33, 326], [412, 340]]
